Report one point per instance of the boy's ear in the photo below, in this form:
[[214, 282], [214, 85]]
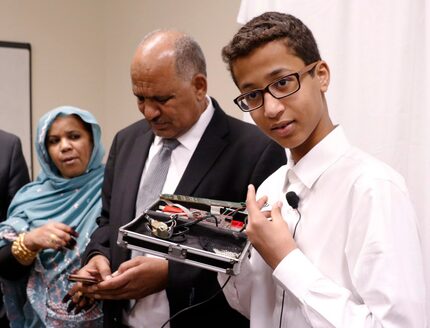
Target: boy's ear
[[322, 72]]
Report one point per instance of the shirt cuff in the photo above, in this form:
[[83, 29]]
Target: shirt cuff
[[296, 273]]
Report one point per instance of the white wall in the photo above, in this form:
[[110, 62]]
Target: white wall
[[81, 50]]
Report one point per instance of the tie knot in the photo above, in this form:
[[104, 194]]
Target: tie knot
[[170, 144]]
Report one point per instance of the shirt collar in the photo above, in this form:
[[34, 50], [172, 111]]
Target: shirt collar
[[191, 138], [319, 158]]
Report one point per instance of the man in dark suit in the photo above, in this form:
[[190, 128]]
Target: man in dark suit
[[13, 170], [13, 175], [217, 157]]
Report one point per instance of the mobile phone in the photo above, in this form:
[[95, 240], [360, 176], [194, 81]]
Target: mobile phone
[[86, 280]]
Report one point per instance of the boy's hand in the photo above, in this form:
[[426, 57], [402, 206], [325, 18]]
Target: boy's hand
[[269, 234]]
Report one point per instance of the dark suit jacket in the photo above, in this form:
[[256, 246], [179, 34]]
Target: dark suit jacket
[[13, 175], [230, 155], [13, 170]]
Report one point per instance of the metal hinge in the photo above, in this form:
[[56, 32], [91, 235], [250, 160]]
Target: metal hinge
[[177, 251]]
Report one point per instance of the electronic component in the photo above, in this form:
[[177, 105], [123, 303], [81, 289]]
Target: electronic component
[[198, 231]]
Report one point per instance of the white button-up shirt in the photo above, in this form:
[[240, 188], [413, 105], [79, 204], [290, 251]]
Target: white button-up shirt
[[358, 262]]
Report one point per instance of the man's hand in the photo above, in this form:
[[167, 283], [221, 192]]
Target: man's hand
[[270, 237], [134, 279], [97, 267]]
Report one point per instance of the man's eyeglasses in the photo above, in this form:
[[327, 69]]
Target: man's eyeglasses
[[281, 88]]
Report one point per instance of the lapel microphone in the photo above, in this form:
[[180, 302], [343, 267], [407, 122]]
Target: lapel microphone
[[293, 200]]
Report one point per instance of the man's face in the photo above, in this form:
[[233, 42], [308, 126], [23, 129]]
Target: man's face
[[170, 103], [299, 121]]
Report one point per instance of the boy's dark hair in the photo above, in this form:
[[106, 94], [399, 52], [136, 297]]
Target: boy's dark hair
[[268, 27]]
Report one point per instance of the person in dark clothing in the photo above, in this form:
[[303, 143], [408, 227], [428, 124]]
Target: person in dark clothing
[[13, 175]]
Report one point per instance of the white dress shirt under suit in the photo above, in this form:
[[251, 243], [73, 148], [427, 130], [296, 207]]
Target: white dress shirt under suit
[[358, 261]]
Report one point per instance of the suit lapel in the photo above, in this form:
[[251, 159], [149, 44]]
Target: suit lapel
[[133, 172], [209, 148]]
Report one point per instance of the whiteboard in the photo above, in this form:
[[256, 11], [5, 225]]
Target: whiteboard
[[15, 94]]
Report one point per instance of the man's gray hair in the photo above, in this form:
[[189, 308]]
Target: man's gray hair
[[189, 57]]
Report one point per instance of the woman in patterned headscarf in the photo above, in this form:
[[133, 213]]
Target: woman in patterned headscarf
[[50, 222]]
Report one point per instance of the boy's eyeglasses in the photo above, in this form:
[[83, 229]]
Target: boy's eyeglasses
[[280, 88]]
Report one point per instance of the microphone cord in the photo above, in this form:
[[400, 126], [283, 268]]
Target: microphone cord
[[195, 305], [283, 292], [297, 223]]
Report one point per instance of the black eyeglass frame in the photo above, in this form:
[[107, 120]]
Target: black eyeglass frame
[[297, 75]]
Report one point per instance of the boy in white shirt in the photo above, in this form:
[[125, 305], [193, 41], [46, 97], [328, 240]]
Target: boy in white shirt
[[348, 253]]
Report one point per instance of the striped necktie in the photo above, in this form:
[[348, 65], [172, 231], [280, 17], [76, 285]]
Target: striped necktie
[[155, 177]]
